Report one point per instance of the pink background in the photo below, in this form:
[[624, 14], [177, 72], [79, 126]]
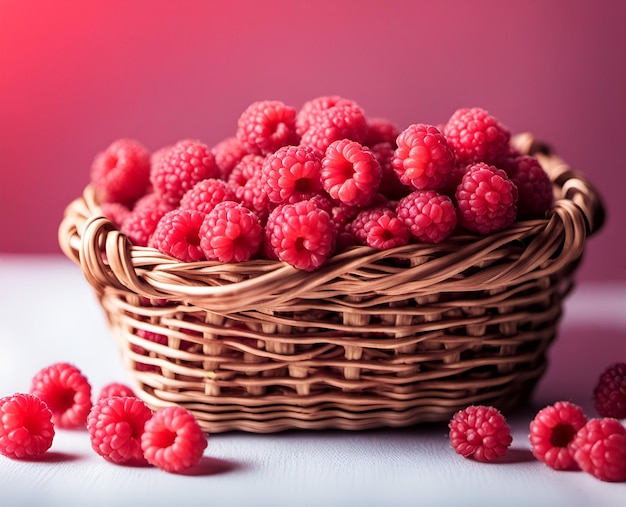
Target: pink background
[[76, 75]]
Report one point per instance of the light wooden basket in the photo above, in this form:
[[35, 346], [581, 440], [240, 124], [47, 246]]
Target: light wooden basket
[[372, 339]]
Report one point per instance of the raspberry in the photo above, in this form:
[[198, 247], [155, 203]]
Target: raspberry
[[178, 234], [173, 440], [253, 196], [343, 120], [551, 432], [26, 428], [390, 184], [599, 448], [140, 224], [301, 234], [66, 392], [292, 173], [230, 233], [423, 159], [350, 173], [311, 109], [249, 166], [266, 126], [430, 216], [121, 173], [227, 154], [379, 228], [115, 425], [476, 136], [152, 200], [486, 199], [204, 195], [609, 394], [180, 168], [533, 185], [115, 389], [480, 432], [115, 212], [381, 130]]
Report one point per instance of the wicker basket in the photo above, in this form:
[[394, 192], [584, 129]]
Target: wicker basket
[[372, 339]]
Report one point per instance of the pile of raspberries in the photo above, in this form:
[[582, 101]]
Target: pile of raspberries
[[300, 186]]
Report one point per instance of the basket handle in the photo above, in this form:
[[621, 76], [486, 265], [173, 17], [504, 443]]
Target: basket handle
[[571, 184]]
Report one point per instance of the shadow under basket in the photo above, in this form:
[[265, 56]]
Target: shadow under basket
[[372, 339]]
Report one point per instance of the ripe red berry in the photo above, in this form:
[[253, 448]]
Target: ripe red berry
[[26, 428], [121, 173], [599, 448], [534, 187], [430, 216], [350, 173], [486, 199], [115, 425], [115, 389], [227, 154], [141, 223], [609, 394], [379, 228], [381, 130], [551, 432], [173, 440], [480, 432], [178, 234], [267, 125], [311, 109], [423, 159], [205, 194], [66, 392]]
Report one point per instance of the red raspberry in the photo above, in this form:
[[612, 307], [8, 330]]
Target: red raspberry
[[423, 158], [180, 168], [115, 212], [178, 234], [227, 155], [249, 166], [26, 428], [115, 425], [476, 136], [536, 196], [205, 194], [430, 216], [121, 173], [599, 448], [551, 432], [379, 228], [173, 440], [390, 184], [230, 233], [343, 120], [381, 130], [267, 125], [141, 223], [350, 173], [115, 389], [486, 199], [311, 109], [152, 200], [253, 196], [66, 392], [292, 173], [609, 394], [301, 234], [480, 432]]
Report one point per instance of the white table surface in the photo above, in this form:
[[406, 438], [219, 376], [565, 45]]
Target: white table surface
[[48, 314]]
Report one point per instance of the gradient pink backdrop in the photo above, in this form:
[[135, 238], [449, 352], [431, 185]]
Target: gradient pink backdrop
[[75, 75]]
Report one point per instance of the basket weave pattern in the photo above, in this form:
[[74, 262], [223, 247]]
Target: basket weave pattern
[[372, 339]]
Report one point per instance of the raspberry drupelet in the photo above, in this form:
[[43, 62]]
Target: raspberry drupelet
[[249, 166], [301, 234], [26, 428], [599, 448], [534, 187], [609, 394], [178, 234], [379, 228], [486, 199], [480, 432], [205, 194], [66, 392], [121, 173], [115, 425], [180, 167], [423, 159], [230, 233], [267, 125], [173, 440], [551, 432], [476, 136], [350, 173], [141, 223], [430, 216], [115, 389], [292, 173]]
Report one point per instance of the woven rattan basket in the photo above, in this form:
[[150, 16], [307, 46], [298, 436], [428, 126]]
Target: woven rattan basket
[[372, 339]]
